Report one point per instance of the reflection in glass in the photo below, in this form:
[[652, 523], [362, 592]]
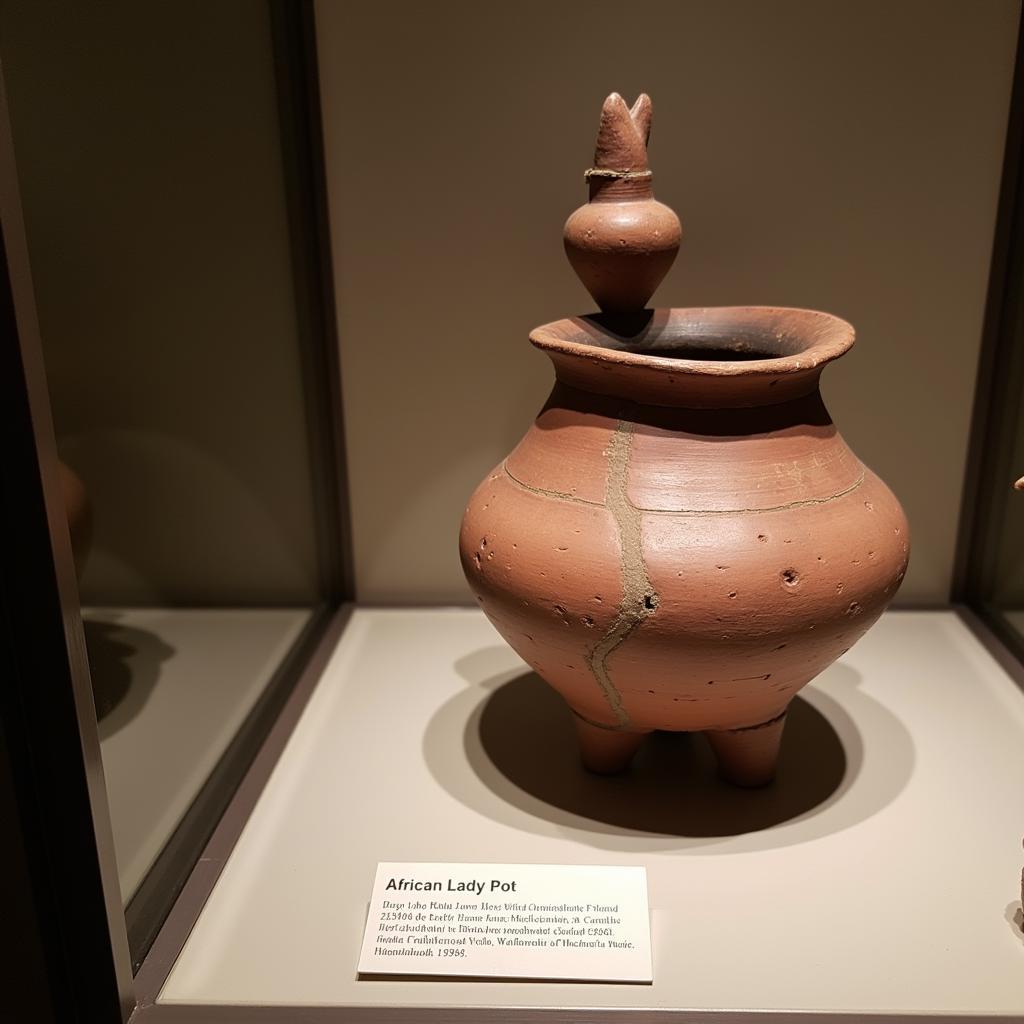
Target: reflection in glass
[[152, 151]]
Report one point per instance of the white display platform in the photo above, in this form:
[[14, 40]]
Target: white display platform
[[172, 687], [881, 872]]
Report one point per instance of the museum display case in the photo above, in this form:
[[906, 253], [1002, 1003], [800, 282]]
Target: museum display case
[[187, 377], [270, 275]]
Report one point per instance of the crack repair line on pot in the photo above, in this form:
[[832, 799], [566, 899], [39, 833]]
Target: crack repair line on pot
[[545, 493], [692, 512], [596, 725], [638, 597], [759, 725], [801, 503]]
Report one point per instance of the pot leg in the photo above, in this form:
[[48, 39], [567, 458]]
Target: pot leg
[[606, 751], [748, 756]]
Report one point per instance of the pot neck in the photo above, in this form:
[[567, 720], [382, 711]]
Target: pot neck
[[620, 189], [709, 358]]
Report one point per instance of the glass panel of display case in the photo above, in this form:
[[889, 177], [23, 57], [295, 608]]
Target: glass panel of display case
[[153, 151], [992, 555], [1000, 592]]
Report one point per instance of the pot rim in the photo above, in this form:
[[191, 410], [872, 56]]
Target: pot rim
[[804, 339]]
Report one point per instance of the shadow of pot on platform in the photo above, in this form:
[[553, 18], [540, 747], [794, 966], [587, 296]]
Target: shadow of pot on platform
[[672, 786], [848, 759]]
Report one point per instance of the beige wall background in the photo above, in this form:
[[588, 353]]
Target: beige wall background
[[845, 157], [149, 156]]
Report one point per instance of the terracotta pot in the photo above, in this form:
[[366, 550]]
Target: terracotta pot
[[683, 539]]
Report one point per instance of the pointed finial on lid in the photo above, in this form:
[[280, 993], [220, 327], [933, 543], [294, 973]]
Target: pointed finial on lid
[[623, 134]]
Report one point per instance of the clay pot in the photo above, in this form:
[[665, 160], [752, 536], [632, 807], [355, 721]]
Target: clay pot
[[683, 540]]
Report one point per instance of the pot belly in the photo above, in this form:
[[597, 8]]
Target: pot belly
[[547, 573], [676, 620], [752, 606]]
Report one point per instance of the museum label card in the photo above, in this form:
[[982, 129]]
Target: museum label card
[[509, 921]]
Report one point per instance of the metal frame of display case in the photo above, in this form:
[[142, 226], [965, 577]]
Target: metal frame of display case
[[70, 955], [1000, 382], [75, 953]]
